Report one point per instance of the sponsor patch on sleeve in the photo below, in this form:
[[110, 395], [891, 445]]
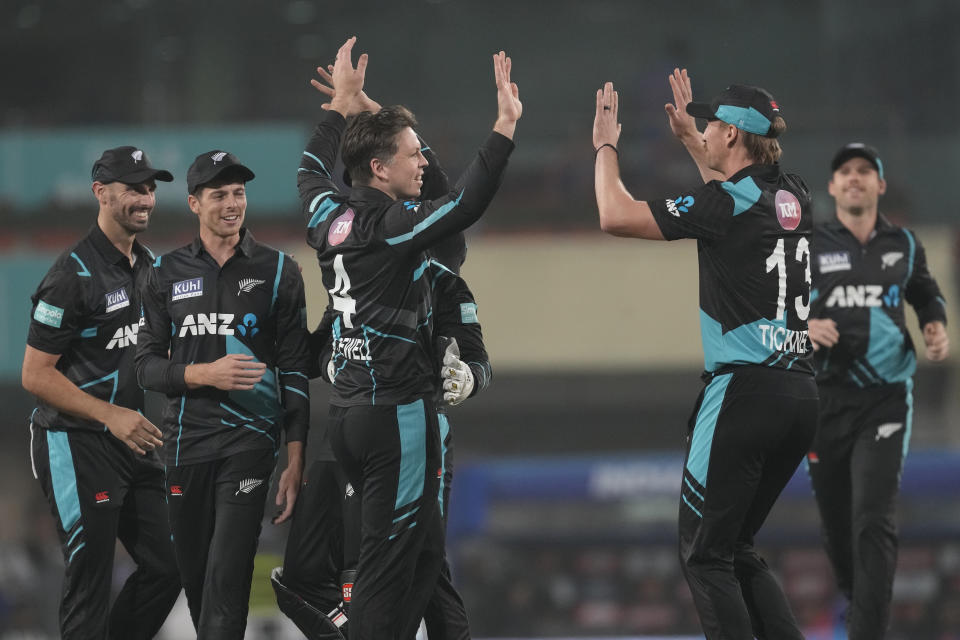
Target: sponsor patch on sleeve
[[192, 288], [48, 314], [468, 313], [834, 261], [117, 300]]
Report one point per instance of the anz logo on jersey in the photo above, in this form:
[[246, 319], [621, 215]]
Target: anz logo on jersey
[[681, 204], [863, 295], [124, 336], [207, 324]]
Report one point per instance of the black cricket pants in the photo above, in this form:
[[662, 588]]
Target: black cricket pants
[[855, 466], [391, 455], [751, 428], [216, 509], [99, 490]]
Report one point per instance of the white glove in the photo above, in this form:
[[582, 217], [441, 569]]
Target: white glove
[[331, 370], [456, 375]]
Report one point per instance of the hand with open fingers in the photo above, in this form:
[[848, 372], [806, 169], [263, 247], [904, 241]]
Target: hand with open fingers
[[822, 332], [936, 341], [606, 128], [134, 430], [361, 103], [288, 488], [234, 372], [346, 79], [456, 375], [509, 107], [682, 124]]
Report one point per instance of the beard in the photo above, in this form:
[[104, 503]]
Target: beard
[[128, 219]]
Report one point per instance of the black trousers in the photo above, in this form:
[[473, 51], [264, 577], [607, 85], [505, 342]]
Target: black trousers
[[391, 455], [216, 509], [750, 430], [854, 466], [100, 491]]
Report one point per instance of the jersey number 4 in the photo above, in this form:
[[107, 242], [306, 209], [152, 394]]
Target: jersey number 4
[[340, 294], [778, 261]]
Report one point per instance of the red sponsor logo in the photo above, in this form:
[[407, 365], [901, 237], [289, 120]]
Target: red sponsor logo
[[347, 591], [788, 210], [440, 472], [340, 228], [773, 103], [176, 490], [813, 457], [102, 496]]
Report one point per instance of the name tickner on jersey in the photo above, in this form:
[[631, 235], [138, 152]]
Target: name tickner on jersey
[[352, 348], [783, 339]]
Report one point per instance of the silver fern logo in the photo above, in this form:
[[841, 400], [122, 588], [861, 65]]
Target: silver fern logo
[[248, 485], [247, 285], [218, 156], [137, 156]]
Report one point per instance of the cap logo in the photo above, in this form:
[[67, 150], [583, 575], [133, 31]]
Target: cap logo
[[137, 155], [773, 105], [217, 157]]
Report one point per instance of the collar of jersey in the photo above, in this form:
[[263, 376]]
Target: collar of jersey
[[368, 194], [761, 170], [245, 246], [110, 253], [883, 225]]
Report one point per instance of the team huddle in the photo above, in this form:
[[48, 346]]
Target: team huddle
[[804, 336]]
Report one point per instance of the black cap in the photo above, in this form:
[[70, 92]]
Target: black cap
[[209, 165], [750, 109], [128, 165], [857, 150]]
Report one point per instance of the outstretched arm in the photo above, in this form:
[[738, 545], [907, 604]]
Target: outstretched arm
[[684, 126], [620, 213]]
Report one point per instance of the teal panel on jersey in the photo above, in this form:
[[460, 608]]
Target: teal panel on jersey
[[412, 427], [323, 212], [698, 461], [908, 426], [84, 272], [887, 352], [747, 344], [64, 478], [264, 399], [444, 431], [744, 193], [426, 222]]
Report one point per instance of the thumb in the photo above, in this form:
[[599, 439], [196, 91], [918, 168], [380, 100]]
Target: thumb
[[452, 353]]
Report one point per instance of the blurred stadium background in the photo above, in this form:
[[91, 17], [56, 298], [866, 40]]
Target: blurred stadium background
[[564, 507]]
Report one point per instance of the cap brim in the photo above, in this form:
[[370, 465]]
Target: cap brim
[[703, 110], [138, 177]]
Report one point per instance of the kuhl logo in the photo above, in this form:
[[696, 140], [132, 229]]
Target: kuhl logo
[[192, 288], [117, 300]]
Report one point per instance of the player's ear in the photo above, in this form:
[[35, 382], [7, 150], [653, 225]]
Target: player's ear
[[98, 188], [831, 188], [378, 168], [883, 187], [194, 203]]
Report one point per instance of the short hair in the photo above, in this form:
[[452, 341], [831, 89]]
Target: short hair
[[229, 175], [765, 149], [373, 135]]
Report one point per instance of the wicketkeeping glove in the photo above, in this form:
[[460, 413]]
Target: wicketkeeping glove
[[456, 375]]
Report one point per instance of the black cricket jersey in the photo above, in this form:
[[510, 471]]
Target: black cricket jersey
[[200, 311], [87, 309], [753, 240], [863, 288], [371, 254], [456, 317]]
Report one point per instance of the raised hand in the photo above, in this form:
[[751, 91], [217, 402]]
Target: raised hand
[[347, 81], [606, 129], [681, 123], [509, 107], [360, 104]]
